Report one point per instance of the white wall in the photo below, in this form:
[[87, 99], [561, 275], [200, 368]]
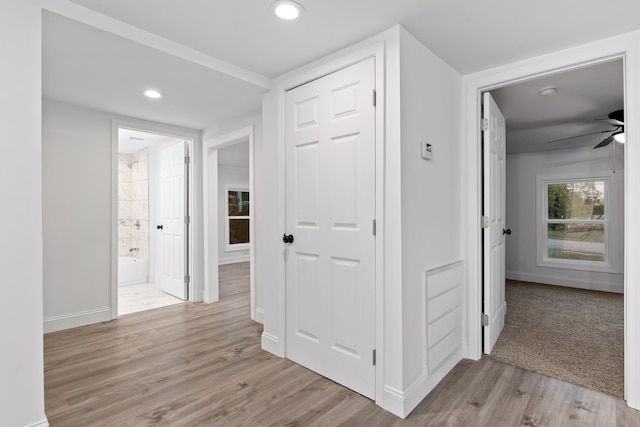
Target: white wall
[[77, 207], [431, 95], [522, 170], [76, 168], [229, 176], [21, 360]]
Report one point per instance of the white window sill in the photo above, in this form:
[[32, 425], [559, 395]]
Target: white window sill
[[237, 247], [601, 267]]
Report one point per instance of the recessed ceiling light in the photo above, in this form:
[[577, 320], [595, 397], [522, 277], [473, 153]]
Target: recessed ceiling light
[[152, 93], [287, 10], [548, 91]]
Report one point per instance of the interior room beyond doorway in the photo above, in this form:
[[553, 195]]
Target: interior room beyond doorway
[[148, 192], [564, 202]]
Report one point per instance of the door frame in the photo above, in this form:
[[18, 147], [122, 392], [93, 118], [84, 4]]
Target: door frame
[[194, 235], [210, 209], [273, 338], [625, 47]]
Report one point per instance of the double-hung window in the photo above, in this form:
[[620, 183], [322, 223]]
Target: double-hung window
[[237, 223], [574, 226]]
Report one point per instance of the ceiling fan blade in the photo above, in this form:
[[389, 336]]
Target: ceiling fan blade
[[580, 136], [612, 122], [608, 140]]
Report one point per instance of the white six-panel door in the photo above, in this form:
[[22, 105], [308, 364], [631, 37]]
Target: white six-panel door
[[172, 244], [494, 158], [330, 208]]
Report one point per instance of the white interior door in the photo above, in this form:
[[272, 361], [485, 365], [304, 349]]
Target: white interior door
[[171, 271], [494, 158], [330, 208]]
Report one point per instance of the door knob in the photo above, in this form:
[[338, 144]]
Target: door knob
[[507, 231], [159, 227], [287, 238]]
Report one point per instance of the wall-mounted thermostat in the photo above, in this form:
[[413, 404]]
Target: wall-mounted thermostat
[[425, 151]]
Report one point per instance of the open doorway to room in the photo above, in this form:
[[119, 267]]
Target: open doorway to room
[[153, 220], [228, 182], [564, 227]]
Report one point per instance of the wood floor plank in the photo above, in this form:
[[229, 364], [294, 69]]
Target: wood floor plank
[[201, 365]]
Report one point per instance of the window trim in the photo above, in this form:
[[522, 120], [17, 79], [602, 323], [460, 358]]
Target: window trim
[[236, 246], [542, 221]]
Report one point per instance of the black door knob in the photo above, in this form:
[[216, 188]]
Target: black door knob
[[159, 227], [507, 231], [287, 238]]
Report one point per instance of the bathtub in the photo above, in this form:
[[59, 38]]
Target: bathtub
[[131, 271]]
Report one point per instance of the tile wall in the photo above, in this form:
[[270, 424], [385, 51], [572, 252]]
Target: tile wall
[[133, 204]]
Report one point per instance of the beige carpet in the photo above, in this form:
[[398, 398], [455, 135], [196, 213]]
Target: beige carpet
[[571, 334]]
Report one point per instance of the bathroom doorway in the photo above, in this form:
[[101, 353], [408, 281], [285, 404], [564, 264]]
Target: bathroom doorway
[[152, 217]]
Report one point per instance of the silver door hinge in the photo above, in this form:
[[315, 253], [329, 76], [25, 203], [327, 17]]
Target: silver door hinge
[[187, 219], [374, 358], [484, 221], [187, 160], [374, 227], [485, 124], [485, 320], [374, 97], [187, 279]]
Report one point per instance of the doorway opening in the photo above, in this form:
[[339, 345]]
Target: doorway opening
[[564, 228], [153, 219], [228, 183]]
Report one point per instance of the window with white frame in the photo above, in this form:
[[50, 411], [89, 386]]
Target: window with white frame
[[237, 223], [574, 223]]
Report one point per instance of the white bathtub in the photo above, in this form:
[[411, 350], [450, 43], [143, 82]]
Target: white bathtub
[[131, 271]]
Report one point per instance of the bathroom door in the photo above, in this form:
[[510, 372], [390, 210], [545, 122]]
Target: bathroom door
[[172, 274]]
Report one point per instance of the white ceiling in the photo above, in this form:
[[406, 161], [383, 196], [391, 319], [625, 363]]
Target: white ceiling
[[92, 68], [583, 96], [469, 35]]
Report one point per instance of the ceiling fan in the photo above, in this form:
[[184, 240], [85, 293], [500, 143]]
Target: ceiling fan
[[616, 118]]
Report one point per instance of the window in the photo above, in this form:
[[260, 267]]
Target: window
[[237, 218], [574, 223]]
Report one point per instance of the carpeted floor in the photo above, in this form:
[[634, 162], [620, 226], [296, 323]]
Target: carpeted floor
[[571, 334]]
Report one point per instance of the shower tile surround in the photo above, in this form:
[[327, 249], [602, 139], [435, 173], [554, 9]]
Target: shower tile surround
[[133, 204]]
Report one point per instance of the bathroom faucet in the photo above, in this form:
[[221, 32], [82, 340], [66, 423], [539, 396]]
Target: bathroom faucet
[[134, 249]]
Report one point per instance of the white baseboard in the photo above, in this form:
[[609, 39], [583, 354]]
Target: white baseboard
[[271, 344], [562, 281], [393, 401], [402, 403], [259, 315], [43, 423], [233, 260], [68, 321]]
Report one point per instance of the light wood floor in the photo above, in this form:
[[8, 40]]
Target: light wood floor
[[201, 365]]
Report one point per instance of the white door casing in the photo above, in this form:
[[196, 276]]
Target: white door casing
[[494, 158], [173, 209], [330, 209]]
